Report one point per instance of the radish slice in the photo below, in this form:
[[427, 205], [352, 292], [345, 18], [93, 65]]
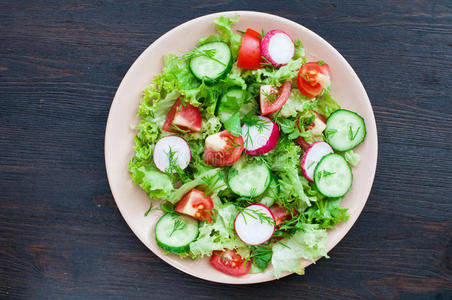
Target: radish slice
[[175, 144], [277, 47], [312, 156], [260, 138], [255, 224]]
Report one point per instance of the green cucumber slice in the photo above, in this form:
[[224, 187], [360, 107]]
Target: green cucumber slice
[[345, 130], [333, 176], [249, 179], [175, 232], [215, 64]]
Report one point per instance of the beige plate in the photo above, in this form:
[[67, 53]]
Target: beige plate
[[131, 200]]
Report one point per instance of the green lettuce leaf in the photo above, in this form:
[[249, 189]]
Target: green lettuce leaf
[[156, 184], [296, 103], [218, 235], [326, 104], [185, 188], [284, 161], [326, 212], [299, 50], [274, 76], [308, 244]]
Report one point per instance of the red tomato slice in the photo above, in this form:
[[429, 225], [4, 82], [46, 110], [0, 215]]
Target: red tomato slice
[[196, 204], [281, 214], [250, 51], [272, 99], [222, 149], [309, 82], [229, 262], [185, 117], [302, 142]]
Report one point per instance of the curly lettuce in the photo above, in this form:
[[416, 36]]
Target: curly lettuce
[[309, 244], [218, 235]]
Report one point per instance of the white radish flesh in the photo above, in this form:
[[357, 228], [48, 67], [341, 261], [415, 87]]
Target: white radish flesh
[[312, 156], [261, 138], [171, 144], [277, 47], [255, 224]]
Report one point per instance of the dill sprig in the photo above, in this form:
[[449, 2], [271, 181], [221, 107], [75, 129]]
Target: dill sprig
[[251, 120], [178, 129], [257, 215], [209, 53], [233, 145], [270, 97], [351, 134], [266, 62], [178, 225], [211, 183], [174, 168]]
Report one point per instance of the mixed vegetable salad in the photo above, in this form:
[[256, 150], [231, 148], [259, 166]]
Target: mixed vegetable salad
[[247, 151]]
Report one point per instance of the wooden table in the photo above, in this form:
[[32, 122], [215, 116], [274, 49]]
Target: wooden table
[[61, 234]]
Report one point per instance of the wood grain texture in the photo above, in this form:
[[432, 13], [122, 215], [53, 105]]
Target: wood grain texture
[[61, 235]]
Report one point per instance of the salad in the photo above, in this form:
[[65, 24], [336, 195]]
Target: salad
[[246, 152]]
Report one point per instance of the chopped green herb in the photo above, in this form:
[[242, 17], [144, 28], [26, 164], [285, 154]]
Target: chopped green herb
[[266, 62], [257, 215], [178, 129], [311, 164], [321, 62], [178, 225], [352, 135], [209, 53], [211, 183], [330, 133]]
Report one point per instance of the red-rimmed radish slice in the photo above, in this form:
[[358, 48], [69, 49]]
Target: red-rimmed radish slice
[[312, 156], [171, 144], [272, 98], [277, 47], [262, 137], [255, 224]]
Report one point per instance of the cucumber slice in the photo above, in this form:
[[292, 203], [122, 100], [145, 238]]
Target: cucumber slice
[[333, 176], [235, 100], [345, 130], [249, 179], [174, 232], [214, 64]]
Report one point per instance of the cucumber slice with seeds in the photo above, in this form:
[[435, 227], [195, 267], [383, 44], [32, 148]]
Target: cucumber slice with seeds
[[345, 130], [249, 179], [333, 176], [211, 61], [175, 232]]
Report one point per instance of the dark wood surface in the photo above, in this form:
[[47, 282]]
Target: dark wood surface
[[61, 234]]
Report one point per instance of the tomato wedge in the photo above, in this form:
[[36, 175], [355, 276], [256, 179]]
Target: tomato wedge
[[183, 118], [196, 204], [272, 98], [250, 51], [281, 214], [312, 78], [222, 149], [229, 262], [317, 127]]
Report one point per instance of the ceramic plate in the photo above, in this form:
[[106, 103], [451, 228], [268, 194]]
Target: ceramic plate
[[132, 201]]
